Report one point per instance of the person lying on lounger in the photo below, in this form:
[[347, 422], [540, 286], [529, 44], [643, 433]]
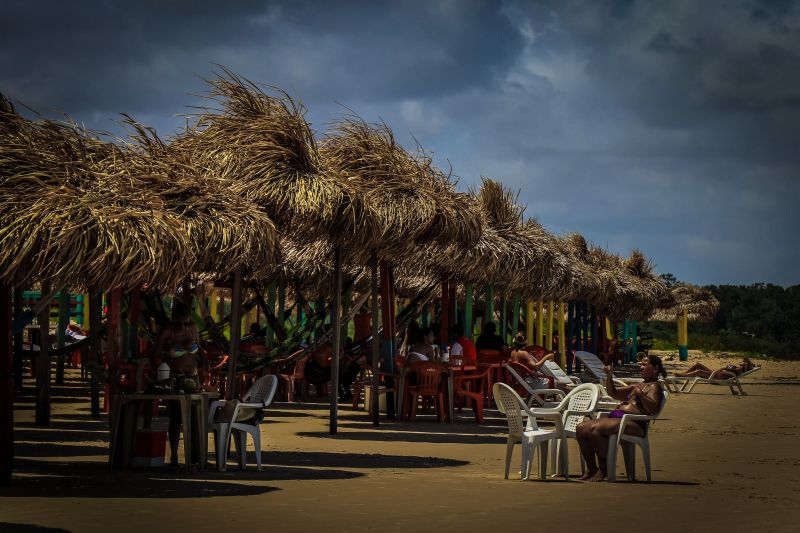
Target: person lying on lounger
[[700, 370], [643, 398]]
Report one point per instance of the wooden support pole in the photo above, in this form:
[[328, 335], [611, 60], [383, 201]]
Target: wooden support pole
[[236, 331], [529, 327], [61, 333], [594, 329], [562, 341], [469, 327], [336, 324], [568, 341], [6, 386], [504, 320], [388, 319], [43, 365], [683, 336], [548, 340], [634, 340], [18, 355], [96, 318], [488, 315], [373, 264], [444, 315], [515, 315], [272, 295], [539, 324]]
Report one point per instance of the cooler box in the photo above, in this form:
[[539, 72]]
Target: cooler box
[[149, 447], [381, 399]]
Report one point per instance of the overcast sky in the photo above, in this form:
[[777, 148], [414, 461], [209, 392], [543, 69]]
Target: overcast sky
[[669, 126]]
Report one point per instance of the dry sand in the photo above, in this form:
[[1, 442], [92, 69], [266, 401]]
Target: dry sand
[[719, 463]]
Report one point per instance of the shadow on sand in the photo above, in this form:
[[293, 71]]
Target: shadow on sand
[[30, 528]]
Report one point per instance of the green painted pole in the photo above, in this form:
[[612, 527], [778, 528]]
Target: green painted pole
[[271, 298], [469, 327], [281, 304], [489, 313], [504, 320], [515, 314], [635, 341]]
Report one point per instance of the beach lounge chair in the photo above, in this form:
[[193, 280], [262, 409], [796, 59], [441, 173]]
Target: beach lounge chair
[[242, 419], [594, 366], [679, 384], [539, 396], [527, 433], [552, 370], [629, 443]]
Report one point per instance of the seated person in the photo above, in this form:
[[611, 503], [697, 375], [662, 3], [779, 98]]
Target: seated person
[[423, 347], [489, 339], [177, 345], [318, 367], [702, 371], [642, 398], [349, 368], [519, 355], [462, 346]]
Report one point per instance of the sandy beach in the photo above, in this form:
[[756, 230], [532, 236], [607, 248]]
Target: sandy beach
[[719, 463]]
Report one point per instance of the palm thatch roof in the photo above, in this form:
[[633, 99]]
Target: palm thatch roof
[[261, 147], [698, 302], [619, 288], [511, 254], [68, 216], [226, 231], [415, 202]]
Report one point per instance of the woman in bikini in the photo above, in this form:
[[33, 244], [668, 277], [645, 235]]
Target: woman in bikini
[[642, 398], [702, 371]]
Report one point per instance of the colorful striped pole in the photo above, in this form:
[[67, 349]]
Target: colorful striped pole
[[570, 335], [504, 319], [562, 341], [489, 313], [539, 324], [548, 340], [683, 336]]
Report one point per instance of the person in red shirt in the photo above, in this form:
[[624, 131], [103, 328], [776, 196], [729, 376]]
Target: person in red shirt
[[462, 347]]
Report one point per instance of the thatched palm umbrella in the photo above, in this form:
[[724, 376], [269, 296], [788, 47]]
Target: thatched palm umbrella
[[416, 204], [262, 147], [683, 303], [68, 216]]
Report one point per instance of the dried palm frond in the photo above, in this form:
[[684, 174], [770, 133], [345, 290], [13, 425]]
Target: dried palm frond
[[415, 202], [226, 231], [698, 302], [68, 215], [261, 147]]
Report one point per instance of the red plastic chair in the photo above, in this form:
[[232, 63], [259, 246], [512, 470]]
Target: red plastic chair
[[473, 387], [429, 385]]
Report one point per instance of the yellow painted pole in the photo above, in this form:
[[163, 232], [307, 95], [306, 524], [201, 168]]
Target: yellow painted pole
[[213, 305], [529, 322], [85, 311], [548, 341], [539, 324], [562, 338], [609, 332]]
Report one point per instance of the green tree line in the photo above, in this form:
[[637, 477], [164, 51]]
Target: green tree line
[[759, 319]]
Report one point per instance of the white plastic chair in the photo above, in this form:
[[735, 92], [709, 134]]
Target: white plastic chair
[[629, 443], [242, 422], [529, 435], [579, 403]]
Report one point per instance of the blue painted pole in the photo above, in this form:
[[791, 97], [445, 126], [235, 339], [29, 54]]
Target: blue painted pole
[[570, 335]]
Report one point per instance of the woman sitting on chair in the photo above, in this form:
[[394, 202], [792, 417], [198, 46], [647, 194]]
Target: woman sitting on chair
[[702, 371], [643, 398], [523, 357]]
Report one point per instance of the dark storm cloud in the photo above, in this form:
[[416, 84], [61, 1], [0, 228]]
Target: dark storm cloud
[[668, 126]]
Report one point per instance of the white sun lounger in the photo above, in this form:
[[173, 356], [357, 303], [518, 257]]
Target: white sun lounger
[[594, 366], [681, 384]]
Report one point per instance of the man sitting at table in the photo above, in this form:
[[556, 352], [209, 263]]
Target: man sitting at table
[[489, 339], [462, 347]]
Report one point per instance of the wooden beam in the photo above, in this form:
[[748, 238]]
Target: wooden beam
[[336, 324]]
